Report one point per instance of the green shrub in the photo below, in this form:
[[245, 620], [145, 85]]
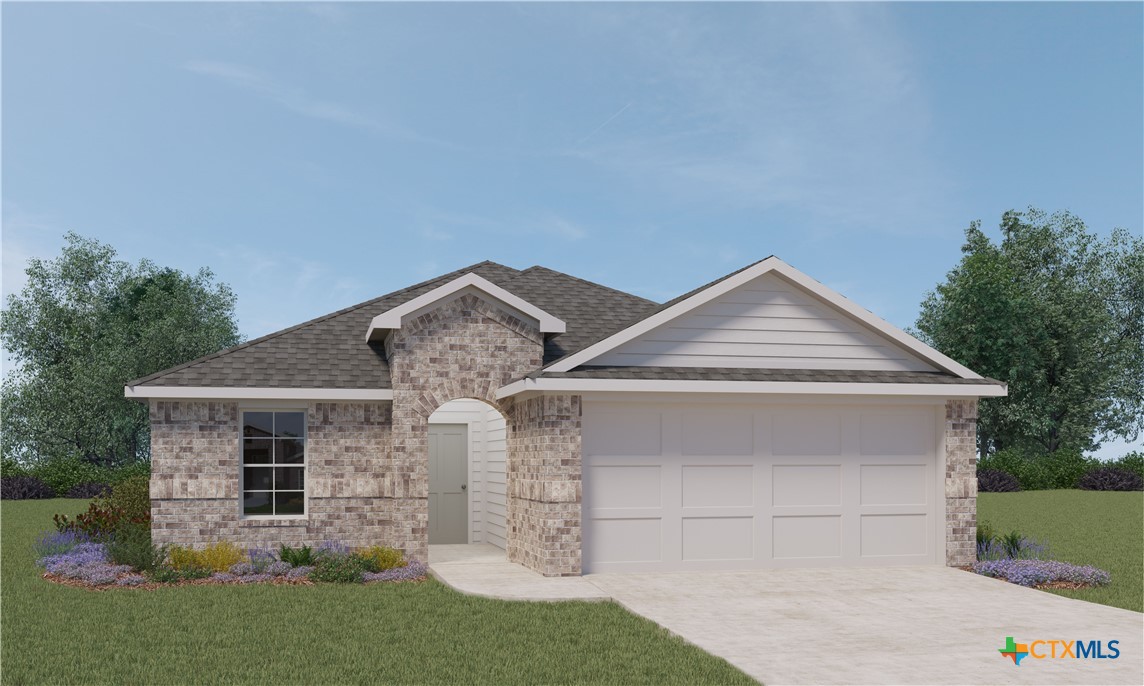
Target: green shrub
[[131, 545], [63, 474], [296, 557], [379, 558], [164, 574], [132, 496], [1133, 462], [126, 472], [10, 467], [341, 569], [1061, 469]]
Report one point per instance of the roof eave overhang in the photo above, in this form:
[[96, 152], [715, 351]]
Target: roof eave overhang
[[392, 319], [529, 385], [144, 393]]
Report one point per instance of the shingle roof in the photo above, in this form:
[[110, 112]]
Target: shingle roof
[[737, 374], [331, 351]]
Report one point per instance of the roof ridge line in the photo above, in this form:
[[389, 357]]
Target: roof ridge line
[[262, 339], [581, 280]]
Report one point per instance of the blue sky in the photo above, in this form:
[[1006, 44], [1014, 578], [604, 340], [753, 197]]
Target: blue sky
[[317, 155]]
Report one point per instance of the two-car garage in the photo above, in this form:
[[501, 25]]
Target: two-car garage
[[739, 485]]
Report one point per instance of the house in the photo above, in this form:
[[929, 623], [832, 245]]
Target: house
[[760, 420]]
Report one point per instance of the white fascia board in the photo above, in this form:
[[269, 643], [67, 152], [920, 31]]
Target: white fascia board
[[759, 387], [726, 285], [391, 319], [217, 393]]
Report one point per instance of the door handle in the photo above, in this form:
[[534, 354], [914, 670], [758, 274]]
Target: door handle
[[464, 487]]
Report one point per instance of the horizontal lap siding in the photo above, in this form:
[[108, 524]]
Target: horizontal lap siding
[[767, 323], [495, 456]]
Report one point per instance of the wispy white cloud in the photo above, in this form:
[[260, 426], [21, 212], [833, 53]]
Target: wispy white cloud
[[819, 113], [300, 102]]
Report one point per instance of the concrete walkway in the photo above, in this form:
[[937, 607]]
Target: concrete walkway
[[904, 625], [483, 570]]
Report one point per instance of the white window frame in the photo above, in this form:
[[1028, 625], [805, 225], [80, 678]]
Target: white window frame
[[305, 465]]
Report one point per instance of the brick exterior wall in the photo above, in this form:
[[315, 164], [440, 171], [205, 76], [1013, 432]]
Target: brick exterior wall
[[367, 475], [465, 348], [195, 496], [960, 482], [544, 477]]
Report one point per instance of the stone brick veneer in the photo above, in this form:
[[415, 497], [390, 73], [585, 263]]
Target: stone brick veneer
[[544, 470], [960, 482], [195, 466], [468, 348], [367, 474]]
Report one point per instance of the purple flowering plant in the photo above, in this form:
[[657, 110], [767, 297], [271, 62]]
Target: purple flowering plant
[[50, 543], [261, 558], [332, 549], [1039, 572], [410, 572]]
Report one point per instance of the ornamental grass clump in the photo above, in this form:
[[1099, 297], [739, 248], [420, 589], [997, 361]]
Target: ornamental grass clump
[[131, 545], [221, 556], [1042, 572], [379, 558], [297, 557]]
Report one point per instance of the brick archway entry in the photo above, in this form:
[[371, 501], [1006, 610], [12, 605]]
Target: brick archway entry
[[468, 348]]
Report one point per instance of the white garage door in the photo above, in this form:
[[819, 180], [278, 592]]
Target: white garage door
[[691, 487]]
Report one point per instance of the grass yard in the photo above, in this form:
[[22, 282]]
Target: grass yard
[[1099, 528], [328, 634]]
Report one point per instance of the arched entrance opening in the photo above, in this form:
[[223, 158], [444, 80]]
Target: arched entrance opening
[[468, 456]]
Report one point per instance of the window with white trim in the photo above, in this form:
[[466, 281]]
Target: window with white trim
[[273, 463]]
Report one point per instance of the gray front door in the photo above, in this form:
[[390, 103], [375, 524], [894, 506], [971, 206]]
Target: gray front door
[[448, 483]]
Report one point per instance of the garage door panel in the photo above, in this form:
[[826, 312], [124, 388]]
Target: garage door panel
[[806, 485], [806, 432], [898, 535], [718, 538], [821, 486], [626, 486], [804, 537], [718, 485], [898, 433], [625, 540], [625, 433], [717, 433], [895, 484]]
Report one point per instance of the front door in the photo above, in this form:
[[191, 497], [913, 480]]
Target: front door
[[448, 483]]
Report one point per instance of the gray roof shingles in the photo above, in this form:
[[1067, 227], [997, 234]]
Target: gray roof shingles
[[741, 374], [331, 351]]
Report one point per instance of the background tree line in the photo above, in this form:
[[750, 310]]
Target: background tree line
[[83, 326], [1051, 309]]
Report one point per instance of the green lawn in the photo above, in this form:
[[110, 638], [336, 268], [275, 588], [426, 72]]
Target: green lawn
[[1103, 529], [328, 634]]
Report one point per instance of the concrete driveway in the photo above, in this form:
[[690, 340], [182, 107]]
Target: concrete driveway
[[901, 625]]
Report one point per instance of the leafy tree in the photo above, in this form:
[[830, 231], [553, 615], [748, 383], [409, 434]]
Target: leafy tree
[[1058, 314], [84, 325]]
